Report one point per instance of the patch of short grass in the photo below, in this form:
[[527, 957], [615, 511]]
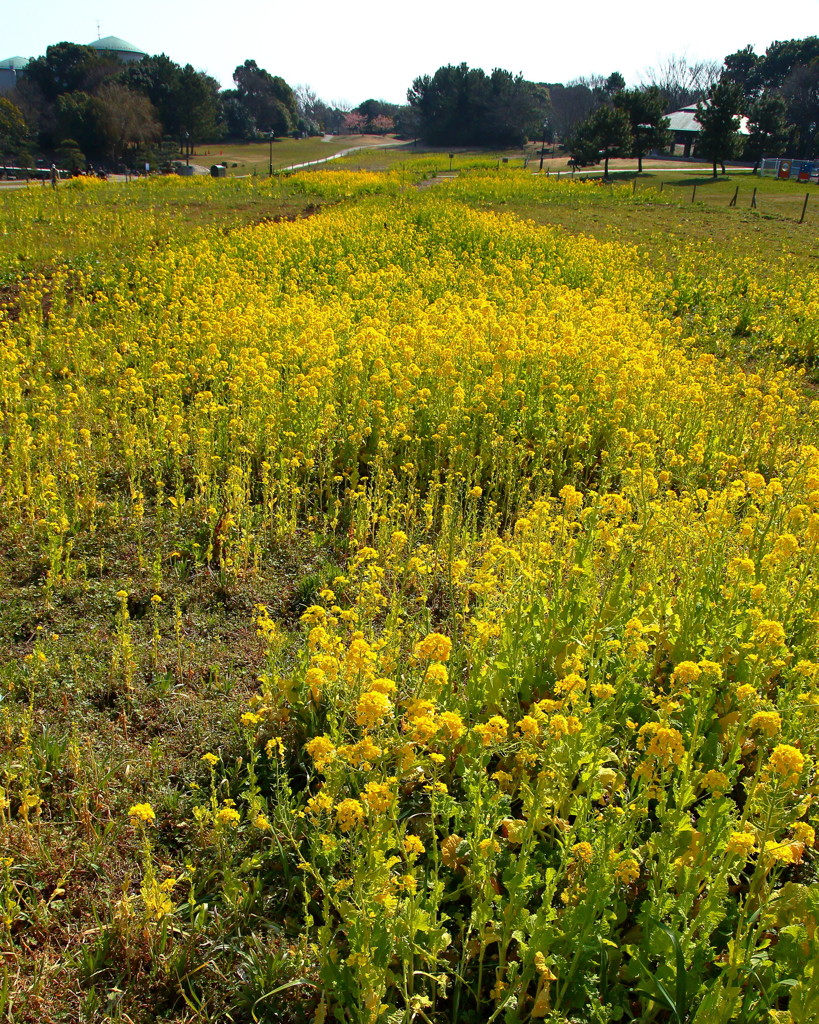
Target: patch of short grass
[[256, 157]]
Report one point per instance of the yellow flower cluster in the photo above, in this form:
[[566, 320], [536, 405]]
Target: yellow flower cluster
[[493, 732], [787, 763], [741, 844], [142, 813], [373, 707], [566, 624], [662, 743], [227, 816], [349, 814], [767, 722], [434, 647]]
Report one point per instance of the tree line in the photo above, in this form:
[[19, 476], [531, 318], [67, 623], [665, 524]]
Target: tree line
[[597, 118], [777, 92], [80, 104]]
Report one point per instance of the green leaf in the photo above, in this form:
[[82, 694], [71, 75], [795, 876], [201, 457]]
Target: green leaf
[[681, 981]]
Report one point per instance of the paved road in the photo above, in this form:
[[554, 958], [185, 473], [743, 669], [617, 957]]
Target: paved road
[[9, 185]]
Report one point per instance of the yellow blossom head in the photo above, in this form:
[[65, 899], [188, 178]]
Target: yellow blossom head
[[786, 763], [434, 647], [142, 813]]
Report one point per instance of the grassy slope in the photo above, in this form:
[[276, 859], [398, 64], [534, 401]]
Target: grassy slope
[[708, 219], [131, 219], [254, 158]]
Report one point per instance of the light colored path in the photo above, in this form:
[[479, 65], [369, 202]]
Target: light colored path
[[341, 153]]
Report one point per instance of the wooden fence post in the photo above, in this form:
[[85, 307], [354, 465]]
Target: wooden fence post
[[694, 194], [734, 199], [804, 206]]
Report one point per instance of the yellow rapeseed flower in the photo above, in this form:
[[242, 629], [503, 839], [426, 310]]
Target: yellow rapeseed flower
[[142, 813], [741, 844], [373, 708], [349, 814], [786, 762], [434, 647]]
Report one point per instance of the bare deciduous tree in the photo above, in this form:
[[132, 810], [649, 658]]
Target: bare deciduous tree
[[308, 102], [126, 118], [681, 81]]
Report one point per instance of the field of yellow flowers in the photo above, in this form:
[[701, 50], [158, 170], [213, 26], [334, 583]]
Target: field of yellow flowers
[[410, 614]]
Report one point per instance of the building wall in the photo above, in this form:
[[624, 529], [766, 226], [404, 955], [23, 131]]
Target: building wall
[[126, 56], [8, 79]]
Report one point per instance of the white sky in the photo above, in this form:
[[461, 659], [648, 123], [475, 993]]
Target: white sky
[[369, 48]]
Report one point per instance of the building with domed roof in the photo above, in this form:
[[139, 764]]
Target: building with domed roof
[[110, 46], [10, 68], [113, 46]]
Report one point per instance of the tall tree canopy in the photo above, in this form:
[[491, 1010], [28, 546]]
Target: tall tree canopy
[[126, 119], [603, 135], [67, 67], [719, 117], [649, 127], [742, 68], [463, 106], [570, 104], [768, 124], [186, 101], [13, 128], [267, 98], [781, 96], [800, 92], [681, 81], [783, 57], [379, 116]]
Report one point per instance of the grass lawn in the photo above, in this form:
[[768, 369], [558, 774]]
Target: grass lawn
[[387, 159], [108, 223], [709, 220], [255, 157]]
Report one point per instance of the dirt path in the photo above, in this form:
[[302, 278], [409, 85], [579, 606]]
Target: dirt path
[[429, 182]]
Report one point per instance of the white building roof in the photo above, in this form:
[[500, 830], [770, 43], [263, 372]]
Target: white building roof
[[685, 120]]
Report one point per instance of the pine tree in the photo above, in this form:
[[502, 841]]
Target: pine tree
[[718, 116], [603, 135], [646, 114]]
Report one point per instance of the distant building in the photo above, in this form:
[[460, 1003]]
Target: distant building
[[10, 68], [685, 128], [113, 46]]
